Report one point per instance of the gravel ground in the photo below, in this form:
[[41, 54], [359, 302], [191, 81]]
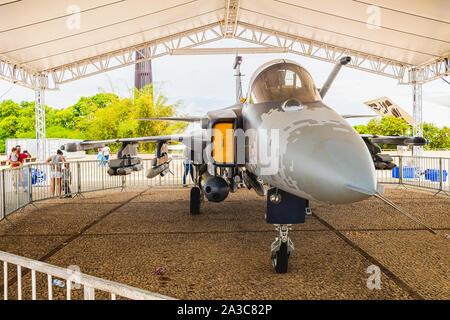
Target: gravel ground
[[224, 252]]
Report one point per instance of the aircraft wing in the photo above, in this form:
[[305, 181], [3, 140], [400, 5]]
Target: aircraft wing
[[185, 119], [351, 116], [89, 144], [396, 140]]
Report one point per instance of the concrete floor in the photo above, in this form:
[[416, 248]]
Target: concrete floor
[[224, 252]]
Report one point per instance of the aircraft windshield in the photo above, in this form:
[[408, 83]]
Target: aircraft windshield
[[282, 81]]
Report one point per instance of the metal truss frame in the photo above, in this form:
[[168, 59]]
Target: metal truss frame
[[414, 75], [40, 123], [229, 28], [217, 31], [319, 50], [136, 54], [231, 18], [17, 74], [427, 72]]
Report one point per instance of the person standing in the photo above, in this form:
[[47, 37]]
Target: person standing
[[12, 160], [66, 180], [188, 166], [13, 157], [19, 157], [55, 162], [100, 157], [106, 152], [16, 159]]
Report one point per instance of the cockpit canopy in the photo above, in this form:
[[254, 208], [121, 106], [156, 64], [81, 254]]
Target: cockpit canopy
[[281, 80]]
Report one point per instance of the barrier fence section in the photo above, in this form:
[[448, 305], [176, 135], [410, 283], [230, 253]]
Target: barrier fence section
[[34, 182], [72, 281], [385, 176], [424, 172]]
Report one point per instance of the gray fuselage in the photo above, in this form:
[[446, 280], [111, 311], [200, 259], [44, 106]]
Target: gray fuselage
[[298, 144], [319, 156]]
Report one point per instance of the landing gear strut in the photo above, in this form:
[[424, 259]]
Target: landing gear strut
[[282, 249]]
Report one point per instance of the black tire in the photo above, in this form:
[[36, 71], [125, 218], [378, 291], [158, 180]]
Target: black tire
[[282, 257], [195, 200]]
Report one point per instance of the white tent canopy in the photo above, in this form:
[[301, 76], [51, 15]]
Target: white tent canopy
[[44, 43]]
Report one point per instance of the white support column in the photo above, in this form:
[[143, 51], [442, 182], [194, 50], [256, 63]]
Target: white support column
[[417, 110], [40, 123]]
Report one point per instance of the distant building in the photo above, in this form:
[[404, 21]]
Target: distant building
[[142, 73]]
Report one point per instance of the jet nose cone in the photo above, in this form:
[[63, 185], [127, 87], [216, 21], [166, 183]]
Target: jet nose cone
[[347, 167], [336, 169], [318, 155]]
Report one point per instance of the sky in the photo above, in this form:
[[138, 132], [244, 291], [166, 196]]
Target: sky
[[206, 82]]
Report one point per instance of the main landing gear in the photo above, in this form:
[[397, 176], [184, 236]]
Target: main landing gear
[[196, 200], [196, 197]]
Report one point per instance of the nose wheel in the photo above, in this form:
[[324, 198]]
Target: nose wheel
[[282, 249]]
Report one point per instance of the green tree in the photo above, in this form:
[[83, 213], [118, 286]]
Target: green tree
[[118, 118], [443, 139], [102, 116], [151, 103], [390, 125], [439, 137], [387, 126], [361, 129], [9, 121]]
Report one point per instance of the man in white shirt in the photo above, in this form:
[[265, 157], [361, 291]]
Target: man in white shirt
[[106, 152]]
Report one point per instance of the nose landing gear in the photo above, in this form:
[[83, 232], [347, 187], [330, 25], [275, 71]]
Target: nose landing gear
[[283, 210], [282, 249]]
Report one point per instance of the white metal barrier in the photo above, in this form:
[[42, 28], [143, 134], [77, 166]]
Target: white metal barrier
[[424, 172], [89, 283], [32, 182]]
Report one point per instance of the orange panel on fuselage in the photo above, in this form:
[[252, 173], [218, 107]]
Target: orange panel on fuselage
[[223, 143]]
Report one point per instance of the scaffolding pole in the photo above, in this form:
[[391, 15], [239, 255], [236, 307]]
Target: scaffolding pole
[[417, 110], [40, 123]]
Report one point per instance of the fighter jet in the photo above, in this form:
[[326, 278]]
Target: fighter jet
[[281, 140]]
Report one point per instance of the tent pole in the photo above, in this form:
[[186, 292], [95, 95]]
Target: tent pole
[[40, 122], [417, 110]]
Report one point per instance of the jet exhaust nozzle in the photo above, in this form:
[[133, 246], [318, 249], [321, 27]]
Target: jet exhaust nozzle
[[215, 189]]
